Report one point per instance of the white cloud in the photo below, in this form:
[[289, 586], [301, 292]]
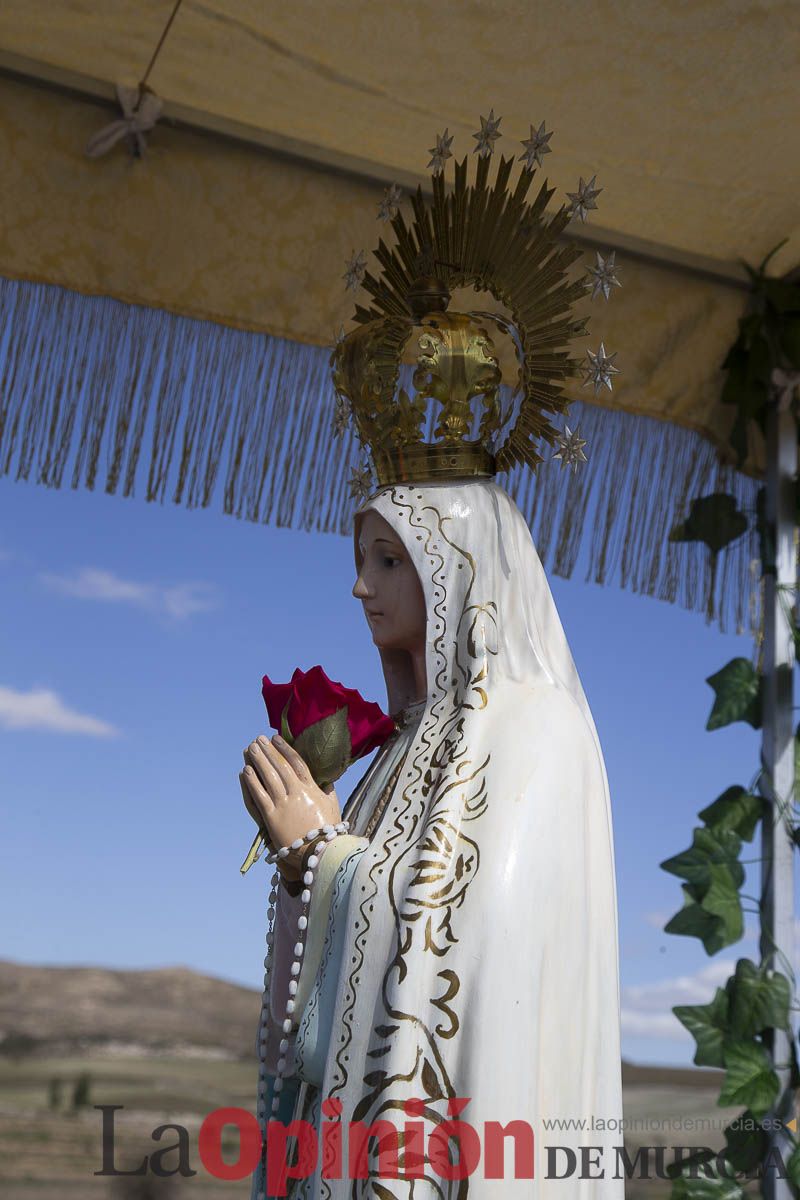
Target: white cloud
[[646, 1008], [95, 583], [44, 710], [657, 919]]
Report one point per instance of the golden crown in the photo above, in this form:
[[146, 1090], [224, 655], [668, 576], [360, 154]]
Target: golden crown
[[488, 237]]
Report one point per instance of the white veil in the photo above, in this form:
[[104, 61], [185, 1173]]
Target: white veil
[[481, 952]]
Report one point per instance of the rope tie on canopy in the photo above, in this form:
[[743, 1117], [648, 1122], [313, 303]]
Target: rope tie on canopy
[[141, 108]]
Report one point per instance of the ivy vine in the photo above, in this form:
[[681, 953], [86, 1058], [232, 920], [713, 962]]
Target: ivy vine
[[735, 1031]]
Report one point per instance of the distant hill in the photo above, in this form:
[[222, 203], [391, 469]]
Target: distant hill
[[171, 1010], [46, 1010]]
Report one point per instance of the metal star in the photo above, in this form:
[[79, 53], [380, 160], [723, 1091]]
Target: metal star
[[487, 135], [584, 198], [536, 146], [341, 418], [602, 275], [390, 203], [600, 369], [440, 152], [356, 270], [361, 485], [571, 448]]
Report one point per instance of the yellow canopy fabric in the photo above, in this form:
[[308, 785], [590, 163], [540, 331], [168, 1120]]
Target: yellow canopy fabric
[[283, 124]]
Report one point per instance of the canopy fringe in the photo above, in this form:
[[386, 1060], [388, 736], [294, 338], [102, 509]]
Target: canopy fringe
[[87, 383]]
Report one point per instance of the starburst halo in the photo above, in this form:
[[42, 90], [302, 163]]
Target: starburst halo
[[584, 198], [536, 146], [390, 203], [342, 415], [599, 369], [440, 152], [602, 275], [360, 483], [570, 448], [356, 270], [487, 135]]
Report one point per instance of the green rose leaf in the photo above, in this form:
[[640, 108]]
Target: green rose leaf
[[326, 747], [759, 999], [750, 1078], [708, 1025], [713, 519], [738, 690], [736, 809]]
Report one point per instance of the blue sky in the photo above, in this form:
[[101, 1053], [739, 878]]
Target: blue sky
[[134, 638]]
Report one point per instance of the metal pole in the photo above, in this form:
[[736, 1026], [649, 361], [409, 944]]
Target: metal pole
[[777, 884]]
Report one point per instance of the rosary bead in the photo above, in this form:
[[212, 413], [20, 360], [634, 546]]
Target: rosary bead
[[326, 829], [298, 949], [284, 852], [281, 1064], [284, 1045], [302, 922], [295, 970], [287, 1026], [312, 833], [330, 835], [312, 862], [292, 987], [277, 1085], [290, 1006], [305, 895], [308, 878]]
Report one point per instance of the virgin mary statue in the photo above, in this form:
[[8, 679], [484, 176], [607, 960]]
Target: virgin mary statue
[[467, 942], [458, 997]]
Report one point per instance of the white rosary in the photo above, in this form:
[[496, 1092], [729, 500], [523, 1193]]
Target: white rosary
[[327, 834]]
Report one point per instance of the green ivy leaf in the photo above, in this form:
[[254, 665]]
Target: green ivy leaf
[[759, 999], [713, 519], [694, 921], [746, 1142], [749, 1079], [783, 296], [708, 1024], [722, 900], [736, 809], [793, 1167], [738, 691], [715, 918], [790, 342], [718, 1187], [721, 846]]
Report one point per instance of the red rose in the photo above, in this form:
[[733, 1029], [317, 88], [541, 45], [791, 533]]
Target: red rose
[[329, 725]]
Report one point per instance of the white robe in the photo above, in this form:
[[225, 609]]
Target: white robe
[[471, 948]]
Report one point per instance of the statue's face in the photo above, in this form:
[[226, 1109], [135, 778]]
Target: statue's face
[[388, 587]]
